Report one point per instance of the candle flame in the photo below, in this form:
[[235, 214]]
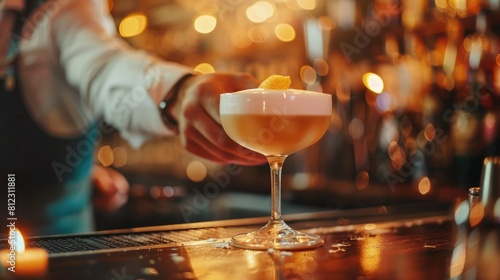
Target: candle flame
[[20, 246]]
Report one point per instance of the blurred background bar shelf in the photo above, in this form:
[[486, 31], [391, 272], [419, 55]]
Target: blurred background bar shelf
[[415, 87]]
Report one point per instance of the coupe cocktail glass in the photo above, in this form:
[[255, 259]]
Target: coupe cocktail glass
[[275, 123]]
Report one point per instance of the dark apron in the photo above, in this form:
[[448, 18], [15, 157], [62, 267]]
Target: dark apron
[[52, 175]]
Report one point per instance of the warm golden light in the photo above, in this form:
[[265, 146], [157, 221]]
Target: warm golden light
[[105, 156], [196, 171], [284, 32], [260, 11], [132, 25], [204, 68], [251, 259], [370, 255], [424, 186], [476, 214], [373, 82], [205, 24], [25, 263]]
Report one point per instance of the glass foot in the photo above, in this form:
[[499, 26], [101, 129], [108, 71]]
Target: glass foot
[[276, 235]]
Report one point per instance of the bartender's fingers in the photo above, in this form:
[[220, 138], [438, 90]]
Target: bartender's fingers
[[206, 138], [223, 83], [199, 122], [222, 150]]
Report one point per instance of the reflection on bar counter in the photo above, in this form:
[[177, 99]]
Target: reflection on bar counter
[[477, 247]]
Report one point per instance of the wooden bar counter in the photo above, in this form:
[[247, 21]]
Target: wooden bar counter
[[411, 241]]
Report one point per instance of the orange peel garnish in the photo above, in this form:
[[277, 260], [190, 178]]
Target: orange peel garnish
[[276, 82]]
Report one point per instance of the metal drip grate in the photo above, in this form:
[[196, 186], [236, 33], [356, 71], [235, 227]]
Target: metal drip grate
[[98, 242]]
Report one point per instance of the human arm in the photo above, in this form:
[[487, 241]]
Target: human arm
[[115, 83], [125, 86]]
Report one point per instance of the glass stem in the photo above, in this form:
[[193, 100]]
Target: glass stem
[[276, 164]]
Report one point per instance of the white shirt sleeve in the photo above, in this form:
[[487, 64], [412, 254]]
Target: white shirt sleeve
[[108, 80]]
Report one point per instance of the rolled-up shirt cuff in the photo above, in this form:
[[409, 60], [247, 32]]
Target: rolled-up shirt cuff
[[160, 78]]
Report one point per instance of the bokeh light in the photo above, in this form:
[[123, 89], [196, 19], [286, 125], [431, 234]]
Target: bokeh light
[[196, 171], [284, 32], [205, 24], [308, 74], [373, 82], [260, 11], [105, 155], [204, 68], [132, 25], [476, 214], [371, 252], [424, 186]]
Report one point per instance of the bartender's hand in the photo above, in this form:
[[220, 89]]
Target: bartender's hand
[[197, 112], [110, 188]]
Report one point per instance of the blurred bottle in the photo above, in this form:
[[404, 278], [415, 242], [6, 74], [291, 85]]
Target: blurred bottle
[[473, 124], [477, 249]]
